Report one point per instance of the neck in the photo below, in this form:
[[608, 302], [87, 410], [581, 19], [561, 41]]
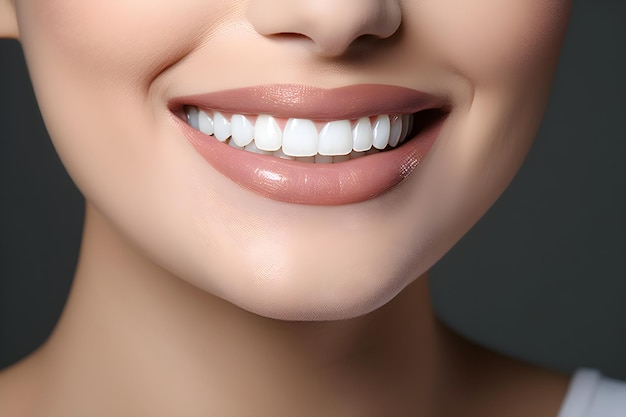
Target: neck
[[159, 346]]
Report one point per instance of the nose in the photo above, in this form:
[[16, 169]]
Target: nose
[[331, 26]]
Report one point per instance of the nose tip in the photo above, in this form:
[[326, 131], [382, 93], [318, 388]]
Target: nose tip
[[332, 26]]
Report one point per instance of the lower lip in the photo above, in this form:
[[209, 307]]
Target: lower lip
[[295, 182]]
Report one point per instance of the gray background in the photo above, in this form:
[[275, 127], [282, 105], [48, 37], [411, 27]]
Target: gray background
[[541, 277]]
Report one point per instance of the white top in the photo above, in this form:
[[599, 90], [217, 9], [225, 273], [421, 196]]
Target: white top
[[592, 395]]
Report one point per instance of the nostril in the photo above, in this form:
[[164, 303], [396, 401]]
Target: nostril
[[289, 36]]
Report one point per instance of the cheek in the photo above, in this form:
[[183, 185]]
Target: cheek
[[93, 64], [489, 41], [121, 41]]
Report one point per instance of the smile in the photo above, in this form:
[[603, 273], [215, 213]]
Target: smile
[[306, 145], [303, 140]]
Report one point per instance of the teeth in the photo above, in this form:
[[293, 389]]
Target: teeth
[[337, 141], [280, 154], [323, 159], [362, 135], [340, 158], [241, 129], [268, 135], [205, 123], [335, 138], [407, 126], [192, 117], [253, 148], [221, 126], [396, 131], [234, 144], [381, 131], [300, 138]]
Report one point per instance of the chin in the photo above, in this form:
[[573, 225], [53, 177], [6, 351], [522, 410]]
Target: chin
[[276, 302], [315, 294]]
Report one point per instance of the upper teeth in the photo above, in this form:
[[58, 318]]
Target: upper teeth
[[336, 140]]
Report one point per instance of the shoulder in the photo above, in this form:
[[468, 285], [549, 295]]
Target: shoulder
[[593, 395]]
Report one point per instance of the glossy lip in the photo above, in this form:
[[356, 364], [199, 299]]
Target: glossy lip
[[289, 181]]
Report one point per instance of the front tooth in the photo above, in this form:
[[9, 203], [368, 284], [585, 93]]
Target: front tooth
[[362, 137], [205, 123], [192, 116], [335, 138], [241, 129], [267, 134], [300, 138], [380, 132], [221, 126], [396, 131]]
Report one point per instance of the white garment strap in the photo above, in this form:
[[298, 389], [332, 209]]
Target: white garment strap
[[591, 395]]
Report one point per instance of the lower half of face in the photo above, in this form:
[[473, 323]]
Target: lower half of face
[[303, 160]]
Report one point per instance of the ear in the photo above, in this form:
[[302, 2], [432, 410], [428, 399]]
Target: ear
[[8, 19]]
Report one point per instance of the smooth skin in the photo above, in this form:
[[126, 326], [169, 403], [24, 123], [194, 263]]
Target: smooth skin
[[183, 274]]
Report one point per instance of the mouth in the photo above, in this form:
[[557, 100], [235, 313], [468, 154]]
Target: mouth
[[304, 145], [304, 140]]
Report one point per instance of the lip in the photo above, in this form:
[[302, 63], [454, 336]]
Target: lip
[[289, 181]]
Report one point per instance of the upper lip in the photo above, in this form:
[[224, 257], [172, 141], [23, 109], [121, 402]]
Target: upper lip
[[308, 102]]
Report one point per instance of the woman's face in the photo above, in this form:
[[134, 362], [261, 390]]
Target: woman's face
[[119, 83]]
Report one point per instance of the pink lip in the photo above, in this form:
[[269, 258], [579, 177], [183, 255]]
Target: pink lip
[[347, 182]]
